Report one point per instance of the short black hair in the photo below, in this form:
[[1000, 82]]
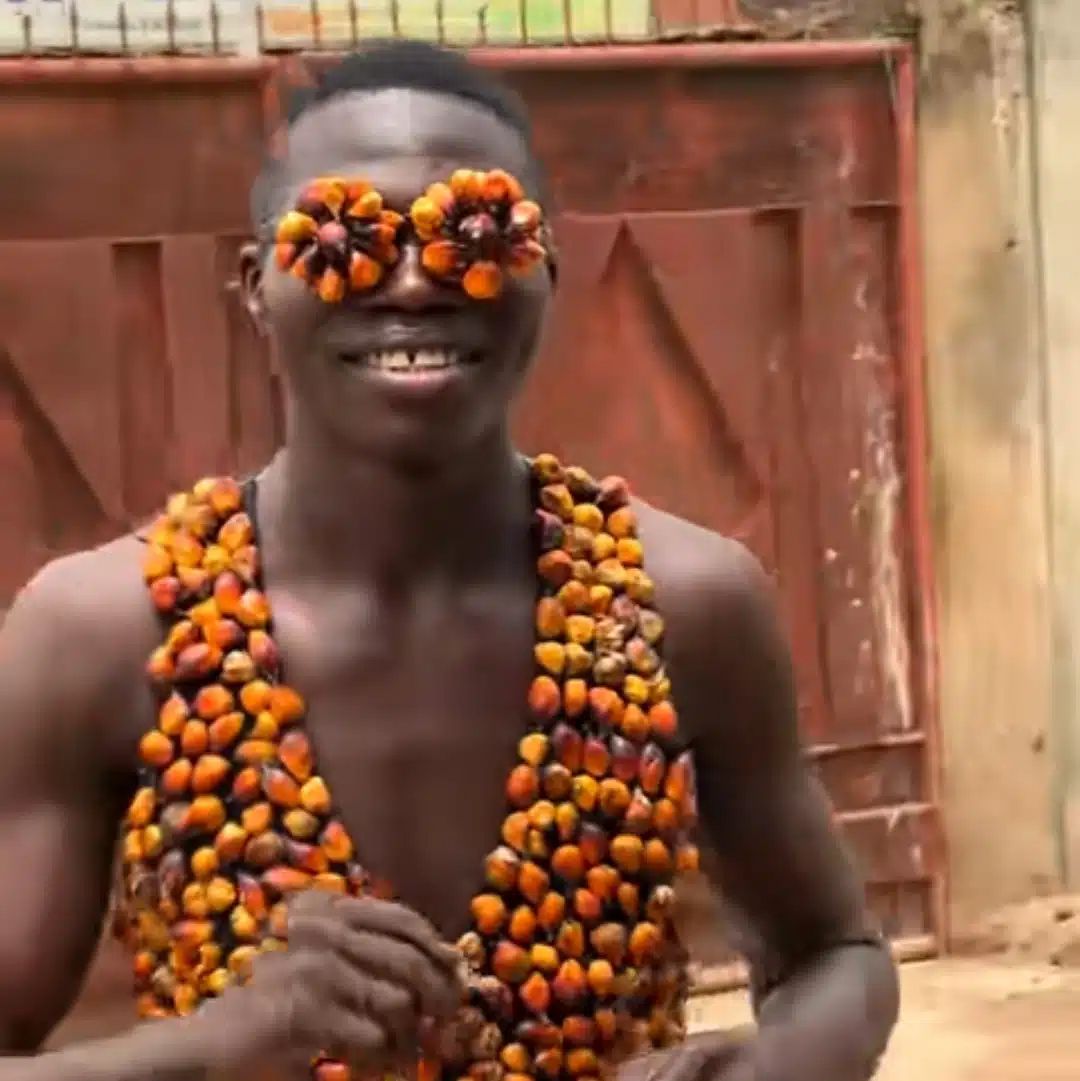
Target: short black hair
[[395, 64]]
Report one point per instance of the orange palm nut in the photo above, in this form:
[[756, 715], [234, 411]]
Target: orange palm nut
[[550, 618], [629, 898], [247, 785], [533, 882], [627, 853], [525, 216], [510, 962], [260, 817], [586, 790], [646, 939], [253, 609], [570, 939], [280, 788], [570, 983], [558, 781], [142, 807], [225, 730], [522, 926], [603, 880], [652, 769], [427, 216], [173, 715], [488, 912], [195, 739], [176, 779], [544, 957], [533, 748], [364, 272], [613, 797], [296, 754], [501, 868], [550, 910], [657, 857], [440, 257], [205, 814], [515, 1056], [286, 705], [556, 567], [515, 830], [568, 863], [336, 842], [687, 858], [639, 815], [522, 786], [601, 977], [315, 796], [212, 701], [575, 697], [156, 749], [295, 227], [284, 880], [483, 280], [545, 698], [210, 771], [165, 594], [535, 993]]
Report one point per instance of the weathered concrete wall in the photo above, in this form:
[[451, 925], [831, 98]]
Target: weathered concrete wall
[[1055, 26], [986, 403]]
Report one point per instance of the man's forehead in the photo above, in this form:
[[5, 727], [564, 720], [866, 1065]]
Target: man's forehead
[[399, 123]]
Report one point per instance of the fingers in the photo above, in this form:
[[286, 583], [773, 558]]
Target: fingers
[[386, 940], [377, 917], [430, 988], [397, 921], [348, 1035], [392, 1007]]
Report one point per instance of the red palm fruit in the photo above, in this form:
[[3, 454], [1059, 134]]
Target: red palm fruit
[[510, 962], [570, 984]]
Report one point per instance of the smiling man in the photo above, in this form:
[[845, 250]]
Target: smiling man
[[486, 651]]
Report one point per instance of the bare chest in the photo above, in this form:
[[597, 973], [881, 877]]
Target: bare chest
[[415, 716]]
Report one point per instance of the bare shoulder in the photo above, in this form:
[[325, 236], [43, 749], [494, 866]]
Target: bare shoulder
[[725, 645], [73, 645], [705, 581]]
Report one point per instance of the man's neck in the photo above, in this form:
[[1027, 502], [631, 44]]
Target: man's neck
[[324, 518]]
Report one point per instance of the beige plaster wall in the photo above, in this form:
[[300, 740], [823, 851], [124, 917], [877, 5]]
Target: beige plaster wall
[[1055, 30], [988, 438]]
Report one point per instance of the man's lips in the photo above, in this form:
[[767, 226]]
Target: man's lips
[[408, 361]]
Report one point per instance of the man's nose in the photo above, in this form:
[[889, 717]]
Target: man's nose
[[408, 287]]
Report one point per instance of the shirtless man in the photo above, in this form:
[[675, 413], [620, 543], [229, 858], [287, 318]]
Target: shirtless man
[[394, 531]]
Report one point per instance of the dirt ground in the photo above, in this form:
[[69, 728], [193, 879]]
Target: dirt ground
[[968, 1020]]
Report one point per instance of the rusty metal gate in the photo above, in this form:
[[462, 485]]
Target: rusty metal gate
[[737, 223]]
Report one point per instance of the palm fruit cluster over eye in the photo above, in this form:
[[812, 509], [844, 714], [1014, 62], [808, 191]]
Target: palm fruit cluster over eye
[[476, 228], [573, 962], [339, 237], [572, 939]]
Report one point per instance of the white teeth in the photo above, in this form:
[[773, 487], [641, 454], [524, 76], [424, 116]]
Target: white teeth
[[401, 361]]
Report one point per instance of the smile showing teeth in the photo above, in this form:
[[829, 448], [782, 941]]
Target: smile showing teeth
[[403, 361]]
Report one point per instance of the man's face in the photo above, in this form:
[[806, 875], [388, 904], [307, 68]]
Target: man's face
[[339, 360]]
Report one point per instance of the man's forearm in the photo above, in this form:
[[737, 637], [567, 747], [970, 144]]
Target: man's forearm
[[834, 1017], [160, 1051]]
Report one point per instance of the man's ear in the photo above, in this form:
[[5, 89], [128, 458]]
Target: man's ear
[[251, 282]]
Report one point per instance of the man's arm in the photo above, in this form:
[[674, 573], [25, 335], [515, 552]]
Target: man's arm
[[69, 658], [825, 988]]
